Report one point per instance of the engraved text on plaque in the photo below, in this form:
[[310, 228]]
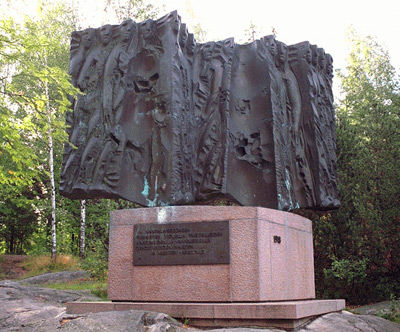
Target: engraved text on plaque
[[193, 243]]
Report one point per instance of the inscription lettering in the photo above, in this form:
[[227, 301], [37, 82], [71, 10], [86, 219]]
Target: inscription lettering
[[181, 243], [277, 239]]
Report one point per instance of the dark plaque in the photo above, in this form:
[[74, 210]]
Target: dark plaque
[[194, 243]]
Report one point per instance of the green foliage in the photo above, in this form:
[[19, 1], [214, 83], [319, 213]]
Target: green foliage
[[96, 263], [357, 252], [68, 218], [394, 311], [34, 92], [2, 272], [98, 216], [185, 321], [34, 96], [18, 223], [101, 291], [357, 247], [349, 271]]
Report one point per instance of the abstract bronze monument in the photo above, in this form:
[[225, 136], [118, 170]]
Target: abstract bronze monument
[[164, 120]]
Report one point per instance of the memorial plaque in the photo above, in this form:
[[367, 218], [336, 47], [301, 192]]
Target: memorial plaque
[[194, 243]]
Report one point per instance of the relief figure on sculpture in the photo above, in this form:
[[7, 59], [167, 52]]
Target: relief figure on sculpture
[[85, 69], [327, 123], [319, 114], [80, 44], [165, 120], [107, 168], [280, 125], [211, 120], [96, 130], [182, 187], [146, 112], [291, 106], [300, 57], [250, 143]]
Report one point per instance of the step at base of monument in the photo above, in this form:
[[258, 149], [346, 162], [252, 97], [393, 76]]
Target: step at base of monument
[[285, 314]]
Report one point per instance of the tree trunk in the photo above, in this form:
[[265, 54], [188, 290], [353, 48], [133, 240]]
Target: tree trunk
[[53, 200], [83, 226], [52, 181]]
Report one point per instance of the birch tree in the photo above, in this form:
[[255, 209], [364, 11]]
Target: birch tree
[[35, 90], [82, 238]]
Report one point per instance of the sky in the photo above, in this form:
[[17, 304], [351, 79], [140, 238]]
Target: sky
[[320, 22]]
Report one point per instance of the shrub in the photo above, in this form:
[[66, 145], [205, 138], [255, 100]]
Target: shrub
[[394, 311], [96, 264]]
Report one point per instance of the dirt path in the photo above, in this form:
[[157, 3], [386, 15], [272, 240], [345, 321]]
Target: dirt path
[[10, 266]]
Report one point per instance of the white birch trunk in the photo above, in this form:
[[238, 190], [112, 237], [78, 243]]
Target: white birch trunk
[[53, 198], [52, 180], [83, 228]]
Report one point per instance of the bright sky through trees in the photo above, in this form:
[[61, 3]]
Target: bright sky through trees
[[319, 21]]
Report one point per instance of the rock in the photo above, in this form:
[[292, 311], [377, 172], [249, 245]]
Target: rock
[[33, 309], [56, 277], [22, 306], [19, 307], [119, 321], [18, 291], [373, 309], [246, 329], [348, 322]]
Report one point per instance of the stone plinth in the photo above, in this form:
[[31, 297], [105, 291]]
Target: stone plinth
[[287, 315], [271, 258]]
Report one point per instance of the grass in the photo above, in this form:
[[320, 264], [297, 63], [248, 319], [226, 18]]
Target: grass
[[98, 288], [35, 265], [2, 273]]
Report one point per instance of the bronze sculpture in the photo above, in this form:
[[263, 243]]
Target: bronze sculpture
[[164, 120]]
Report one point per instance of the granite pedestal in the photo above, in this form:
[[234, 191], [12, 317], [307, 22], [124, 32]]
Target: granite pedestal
[[266, 278], [271, 258]]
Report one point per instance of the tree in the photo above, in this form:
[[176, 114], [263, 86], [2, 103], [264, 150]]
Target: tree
[[82, 238], [34, 86], [199, 33], [35, 92], [251, 33], [362, 255], [138, 10]]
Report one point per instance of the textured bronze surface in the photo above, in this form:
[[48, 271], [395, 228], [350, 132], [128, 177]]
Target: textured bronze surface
[[164, 120], [198, 243]]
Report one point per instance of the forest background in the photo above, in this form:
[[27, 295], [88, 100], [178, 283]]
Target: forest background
[[356, 248]]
